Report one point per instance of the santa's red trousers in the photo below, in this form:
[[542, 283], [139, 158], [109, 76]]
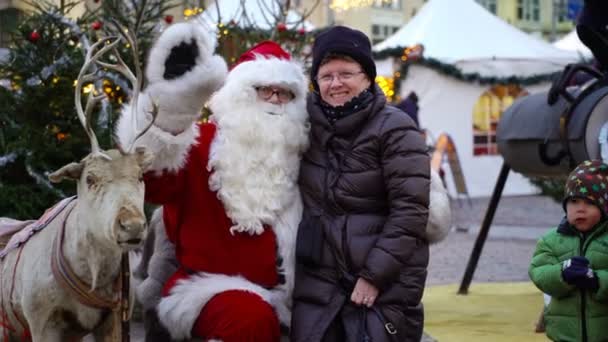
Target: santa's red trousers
[[237, 316], [233, 316]]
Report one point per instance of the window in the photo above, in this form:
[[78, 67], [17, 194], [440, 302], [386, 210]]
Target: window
[[8, 22], [388, 4], [561, 8], [381, 32], [528, 10], [486, 114], [490, 5], [375, 30]]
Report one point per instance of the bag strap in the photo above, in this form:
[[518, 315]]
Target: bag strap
[[390, 328]]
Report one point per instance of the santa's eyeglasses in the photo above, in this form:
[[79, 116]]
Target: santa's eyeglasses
[[266, 92]]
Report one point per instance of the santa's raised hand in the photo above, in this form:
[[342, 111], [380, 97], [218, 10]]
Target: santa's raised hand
[[182, 72]]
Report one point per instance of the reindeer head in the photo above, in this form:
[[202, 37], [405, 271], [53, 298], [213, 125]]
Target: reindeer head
[[110, 183], [111, 194]]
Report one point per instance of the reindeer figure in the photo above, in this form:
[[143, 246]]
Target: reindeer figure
[[62, 283]]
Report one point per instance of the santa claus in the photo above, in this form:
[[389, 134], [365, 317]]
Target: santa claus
[[228, 188]]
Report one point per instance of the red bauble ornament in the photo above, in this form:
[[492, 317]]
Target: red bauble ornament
[[281, 27], [34, 36], [168, 19], [95, 1], [301, 32], [96, 25]]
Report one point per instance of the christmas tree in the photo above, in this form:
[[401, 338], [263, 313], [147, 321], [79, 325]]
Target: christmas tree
[[39, 128], [241, 24]]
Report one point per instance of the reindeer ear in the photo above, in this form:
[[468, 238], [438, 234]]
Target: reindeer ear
[[144, 157], [70, 171]]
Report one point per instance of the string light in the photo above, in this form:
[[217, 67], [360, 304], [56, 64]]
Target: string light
[[413, 52], [87, 89], [188, 12], [387, 84]]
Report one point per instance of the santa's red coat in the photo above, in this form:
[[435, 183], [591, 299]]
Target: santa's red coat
[[196, 222]]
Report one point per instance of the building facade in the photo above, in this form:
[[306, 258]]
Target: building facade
[[378, 19], [544, 18]]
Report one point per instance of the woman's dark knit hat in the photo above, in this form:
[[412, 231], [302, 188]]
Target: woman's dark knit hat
[[589, 181], [342, 40]]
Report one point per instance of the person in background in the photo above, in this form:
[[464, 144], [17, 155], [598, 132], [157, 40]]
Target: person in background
[[361, 251], [410, 106], [570, 262], [592, 30]]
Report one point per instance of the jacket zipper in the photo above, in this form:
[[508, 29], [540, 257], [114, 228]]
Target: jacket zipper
[[582, 249]]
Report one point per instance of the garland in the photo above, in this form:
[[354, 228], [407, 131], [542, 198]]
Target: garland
[[454, 72]]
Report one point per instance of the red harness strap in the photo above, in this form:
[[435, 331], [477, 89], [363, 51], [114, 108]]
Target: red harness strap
[[26, 332], [4, 320]]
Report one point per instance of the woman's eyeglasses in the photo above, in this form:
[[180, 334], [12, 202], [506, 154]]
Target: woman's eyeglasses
[[266, 92], [341, 76]]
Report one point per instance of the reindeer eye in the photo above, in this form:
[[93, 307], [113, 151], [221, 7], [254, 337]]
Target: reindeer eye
[[91, 180]]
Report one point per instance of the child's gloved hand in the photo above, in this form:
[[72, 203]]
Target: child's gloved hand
[[576, 271]]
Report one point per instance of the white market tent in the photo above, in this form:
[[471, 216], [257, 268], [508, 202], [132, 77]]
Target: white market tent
[[250, 14], [463, 34], [571, 42]]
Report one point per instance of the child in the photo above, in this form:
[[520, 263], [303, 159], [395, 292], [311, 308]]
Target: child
[[571, 262]]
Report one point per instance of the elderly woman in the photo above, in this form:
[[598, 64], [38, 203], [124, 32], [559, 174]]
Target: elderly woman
[[361, 251]]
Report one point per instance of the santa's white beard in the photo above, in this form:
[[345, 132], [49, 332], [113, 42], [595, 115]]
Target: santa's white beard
[[255, 160]]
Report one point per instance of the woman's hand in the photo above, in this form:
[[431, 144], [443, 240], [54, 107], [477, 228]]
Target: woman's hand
[[364, 293]]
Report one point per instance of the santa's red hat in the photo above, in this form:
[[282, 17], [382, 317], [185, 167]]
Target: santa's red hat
[[266, 63], [267, 49]]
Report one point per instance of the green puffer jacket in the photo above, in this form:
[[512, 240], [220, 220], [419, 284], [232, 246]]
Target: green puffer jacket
[[573, 315]]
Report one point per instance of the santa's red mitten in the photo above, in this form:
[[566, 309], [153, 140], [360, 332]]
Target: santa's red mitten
[[182, 72]]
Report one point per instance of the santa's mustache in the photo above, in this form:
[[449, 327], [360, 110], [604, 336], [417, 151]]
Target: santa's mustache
[[273, 109]]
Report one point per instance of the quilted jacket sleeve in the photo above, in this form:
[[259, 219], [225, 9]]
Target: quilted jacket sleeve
[[546, 270]]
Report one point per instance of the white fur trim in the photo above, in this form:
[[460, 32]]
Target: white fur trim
[[178, 311], [440, 213], [172, 36], [286, 231], [170, 151]]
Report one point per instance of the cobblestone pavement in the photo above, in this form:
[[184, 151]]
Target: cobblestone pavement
[[517, 224]]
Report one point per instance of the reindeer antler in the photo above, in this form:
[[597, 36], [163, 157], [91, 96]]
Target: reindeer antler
[[83, 77], [136, 80]]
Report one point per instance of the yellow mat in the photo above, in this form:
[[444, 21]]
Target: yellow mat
[[491, 312]]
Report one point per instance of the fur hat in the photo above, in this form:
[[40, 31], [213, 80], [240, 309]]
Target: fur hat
[[592, 29], [589, 180], [343, 41]]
